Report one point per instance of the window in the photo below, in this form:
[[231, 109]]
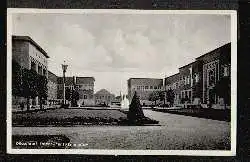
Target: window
[[211, 77], [84, 96], [33, 66], [155, 87], [196, 77], [44, 72], [188, 79], [138, 87], [226, 70], [151, 87], [146, 87]]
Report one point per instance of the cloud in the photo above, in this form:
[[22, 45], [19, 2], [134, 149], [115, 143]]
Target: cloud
[[114, 47]]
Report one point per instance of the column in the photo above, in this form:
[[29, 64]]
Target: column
[[36, 98]]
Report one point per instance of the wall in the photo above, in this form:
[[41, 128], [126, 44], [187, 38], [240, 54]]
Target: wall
[[20, 53]]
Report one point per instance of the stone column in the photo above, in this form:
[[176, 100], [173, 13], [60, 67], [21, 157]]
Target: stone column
[[36, 66]]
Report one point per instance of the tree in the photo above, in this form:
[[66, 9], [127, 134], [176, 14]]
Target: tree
[[74, 98], [29, 85], [222, 89], [154, 96], [162, 96], [135, 110], [16, 79], [42, 89], [68, 93], [170, 96]]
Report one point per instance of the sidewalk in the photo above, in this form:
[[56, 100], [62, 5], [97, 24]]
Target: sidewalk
[[167, 108]]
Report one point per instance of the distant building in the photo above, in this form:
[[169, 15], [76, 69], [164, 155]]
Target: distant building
[[196, 80], [84, 86], [104, 97], [117, 100], [28, 54], [143, 87]]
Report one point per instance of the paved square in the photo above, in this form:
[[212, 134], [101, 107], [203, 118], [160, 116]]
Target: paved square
[[177, 132]]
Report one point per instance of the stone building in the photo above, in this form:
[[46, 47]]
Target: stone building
[[84, 86], [216, 65], [28, 54], [104, 97], [198, 79], [144, 87]]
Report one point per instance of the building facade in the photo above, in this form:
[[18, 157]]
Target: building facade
[[173, 82], [216, 65], [104, 97], [84, 86], [52, 89], [196, 81], [29, 55], [144, 87]]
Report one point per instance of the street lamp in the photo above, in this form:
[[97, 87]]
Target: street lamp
[[64, 68], [165, 90]]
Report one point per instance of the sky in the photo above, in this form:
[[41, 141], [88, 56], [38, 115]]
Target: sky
[[115, 47]]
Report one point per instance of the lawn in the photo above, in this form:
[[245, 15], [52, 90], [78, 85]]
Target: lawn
[[216, 114], [66, 117]]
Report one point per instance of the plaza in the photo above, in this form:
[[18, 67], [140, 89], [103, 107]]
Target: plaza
[[176, 132]]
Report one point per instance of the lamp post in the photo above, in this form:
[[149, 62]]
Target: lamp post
[[164, 89], [64, 68]]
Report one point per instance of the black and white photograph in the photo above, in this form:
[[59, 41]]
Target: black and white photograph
[[122, 82]]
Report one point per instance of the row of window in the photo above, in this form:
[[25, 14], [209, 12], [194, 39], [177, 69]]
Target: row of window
[[185, 80], [102, 97], [38, 54], [79, 87], [148, 87], [38, 68]]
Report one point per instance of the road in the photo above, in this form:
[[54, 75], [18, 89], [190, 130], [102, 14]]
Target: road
[[177, 132]]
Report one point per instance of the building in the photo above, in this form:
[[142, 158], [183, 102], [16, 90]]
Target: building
[[104, 97], [84, 86], [28, 54], [216, 65], [197, 80], [52, 89], [144, 87], [117, 101]]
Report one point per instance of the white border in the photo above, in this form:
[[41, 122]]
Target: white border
[[231, 152]]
